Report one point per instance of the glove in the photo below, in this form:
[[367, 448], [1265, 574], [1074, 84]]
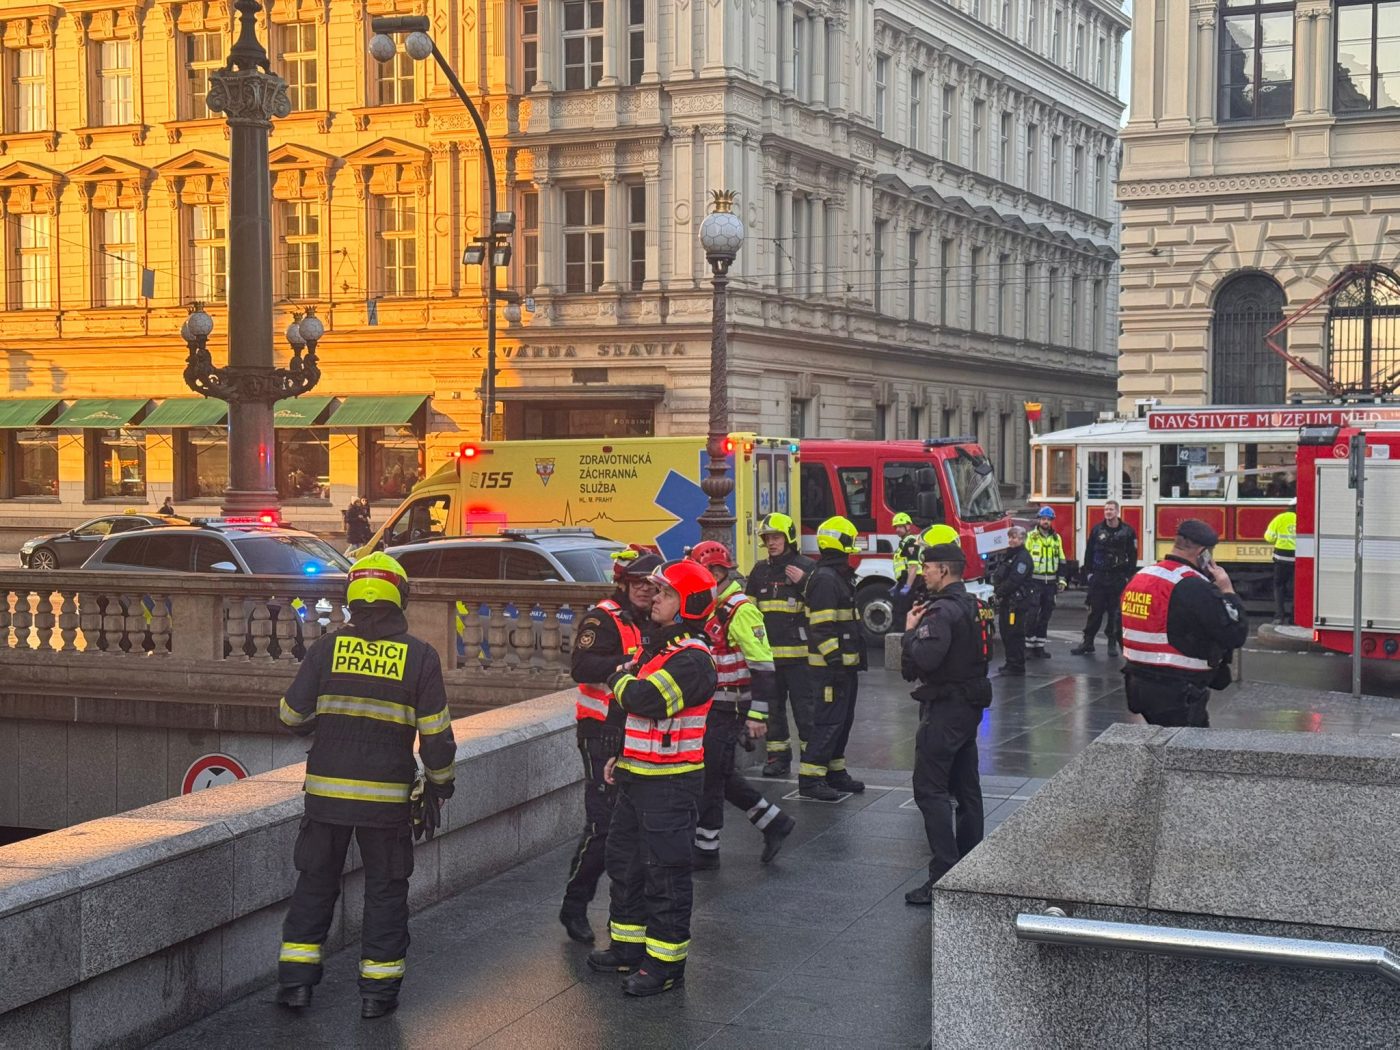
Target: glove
[[1061, 584], [425, 806]]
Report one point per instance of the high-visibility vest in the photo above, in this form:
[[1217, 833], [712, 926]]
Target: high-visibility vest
[[1146, 601], [594, 697], [730, 666], [1283, 534], [1047, 552], [666, 745]]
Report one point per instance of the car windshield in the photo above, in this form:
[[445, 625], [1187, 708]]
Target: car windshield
[[974, 486], [290, 555], [587, 564]]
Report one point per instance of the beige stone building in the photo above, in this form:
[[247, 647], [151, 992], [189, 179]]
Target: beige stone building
[[1261, 159]]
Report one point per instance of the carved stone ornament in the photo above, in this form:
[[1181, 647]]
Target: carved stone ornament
[[248, 96]]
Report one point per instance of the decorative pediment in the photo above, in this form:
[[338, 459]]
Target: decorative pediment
[[390, 167], [26, 188], [284, 11], [300, 173], [196, 16], [196, 177], [110, 182], [105, 19], [375, 8], [29, 26]]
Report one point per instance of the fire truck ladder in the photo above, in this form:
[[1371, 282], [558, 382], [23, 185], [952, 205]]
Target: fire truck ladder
[[1371, 363]]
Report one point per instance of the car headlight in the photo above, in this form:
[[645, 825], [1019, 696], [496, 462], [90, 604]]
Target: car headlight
[[28, 545]]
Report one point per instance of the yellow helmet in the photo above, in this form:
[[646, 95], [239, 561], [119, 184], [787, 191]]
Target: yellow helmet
[[377, 578], [901, 519], [780, 524], [837, 534], [936, 534]]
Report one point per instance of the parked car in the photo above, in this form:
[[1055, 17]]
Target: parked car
[[540, 556], [68, 550], [241, 549]]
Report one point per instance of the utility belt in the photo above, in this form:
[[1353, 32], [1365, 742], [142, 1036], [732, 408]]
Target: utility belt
[[1051, 578], [732, 701], [975, 691], [1282, 555]]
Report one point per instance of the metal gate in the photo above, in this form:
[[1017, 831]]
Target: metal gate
[[1245, 371]]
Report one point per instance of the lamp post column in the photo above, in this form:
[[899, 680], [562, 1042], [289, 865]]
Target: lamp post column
[[721, 234]]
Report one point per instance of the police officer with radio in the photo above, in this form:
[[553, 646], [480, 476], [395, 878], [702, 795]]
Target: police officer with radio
[[1181, 621], [1047, 552], [1015, 601], [1110, 557], [946, 648]]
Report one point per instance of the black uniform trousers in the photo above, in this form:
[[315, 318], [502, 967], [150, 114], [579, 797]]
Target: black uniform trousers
[[595, 747], [319, 856], [648, 859], [1105, 600], [1044, 592], [945, 764], [722, 781], [792, 686], [1167, 701], [1011, 625], [1283, 590], [833, 715]]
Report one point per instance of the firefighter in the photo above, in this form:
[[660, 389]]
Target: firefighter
[[1015, 601], [367, 691], [1110, 558], [906, 554], [776, 584], [1181, 621], [665, 692], [610, 633], [836, 653], [744, 667], [946, 648], [1283, 534], [1048, 556]]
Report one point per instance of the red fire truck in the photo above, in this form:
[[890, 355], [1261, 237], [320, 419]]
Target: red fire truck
[[948, 480]]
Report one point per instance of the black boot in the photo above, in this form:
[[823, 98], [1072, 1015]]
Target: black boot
[[372, 1008], [775, 834], [1084, 649], [577, 927], [843, 781], [612, 960], [294, 996], [817, 790], [1113, 647], [1039, 653], [703, 859], [779, 764], [1006, 669], [922, 895], [643, 983]]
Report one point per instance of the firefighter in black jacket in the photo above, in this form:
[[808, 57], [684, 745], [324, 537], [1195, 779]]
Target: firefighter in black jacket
[[1015, 600], [776, 583], [367, 691], [946, 648], [836, 653], [610, 633], [1110, 558]]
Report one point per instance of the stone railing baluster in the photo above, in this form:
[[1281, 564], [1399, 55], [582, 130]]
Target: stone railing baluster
[[68, 621]]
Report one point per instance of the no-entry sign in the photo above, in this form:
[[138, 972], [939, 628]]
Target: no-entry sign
[[209, 771]]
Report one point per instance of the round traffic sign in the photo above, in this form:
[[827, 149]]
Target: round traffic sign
[[209, 771]]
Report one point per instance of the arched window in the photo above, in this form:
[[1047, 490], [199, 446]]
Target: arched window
[[1246, 371], [1363, 332]]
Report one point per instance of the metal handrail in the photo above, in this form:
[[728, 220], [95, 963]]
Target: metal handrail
[[1055, 927]]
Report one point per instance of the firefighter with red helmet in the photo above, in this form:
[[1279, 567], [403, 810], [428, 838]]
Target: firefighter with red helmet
[[610, 633], [665, 693], [744, 666]]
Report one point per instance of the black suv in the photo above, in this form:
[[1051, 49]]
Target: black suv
[[243, 549]]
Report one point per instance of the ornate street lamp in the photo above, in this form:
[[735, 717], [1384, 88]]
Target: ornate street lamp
[[721, 235], [250, 96]]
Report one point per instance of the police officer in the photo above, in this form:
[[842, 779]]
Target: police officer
[[744, 668], [1015, 601], [915, 591], [946, 648], [1181, 621], [836, 653], [1283, 534], [610, 633], [665, 692], [776, 583], [367, 691], [1110, 557], [1048, 555]]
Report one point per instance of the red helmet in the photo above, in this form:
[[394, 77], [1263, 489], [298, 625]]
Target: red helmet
[[693, 583], [638, 559], [710, 553]]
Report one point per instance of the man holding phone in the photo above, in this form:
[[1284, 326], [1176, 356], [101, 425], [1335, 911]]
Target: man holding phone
[[1181, 621]]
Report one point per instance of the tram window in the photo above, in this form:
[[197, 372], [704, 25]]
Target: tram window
[[1268, 471], [1132, 475], [1059, 472], [1098, 474], [1192, 472]]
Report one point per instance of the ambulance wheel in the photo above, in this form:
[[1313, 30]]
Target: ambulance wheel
[[876, 610]]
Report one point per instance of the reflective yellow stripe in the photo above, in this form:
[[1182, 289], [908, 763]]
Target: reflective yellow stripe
[[775, 746], [756, 715], [299, 953], [291, 716], [780, 605], [850, 659], [441, 776], [837, 765], [381, 971], [829, 646], [430, 724], [670, 691], [789, 652], [357, 790], [659, 770], [622, 683], [627, 933], [667, 951], [823, 616], [807, 769], [364, 707]]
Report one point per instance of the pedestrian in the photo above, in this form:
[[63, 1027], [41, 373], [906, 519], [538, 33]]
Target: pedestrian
[[745, 673], [357, 527], [665, 692], [167, 508], [1047, 553], [1283, 534], [366, 691], [1015, 601], [611, 633], [946, 648], [777, 583], [1182, 620], [1110, 558], [836, 652]]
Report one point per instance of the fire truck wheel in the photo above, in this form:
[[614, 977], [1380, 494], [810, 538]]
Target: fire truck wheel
[[876, 610]]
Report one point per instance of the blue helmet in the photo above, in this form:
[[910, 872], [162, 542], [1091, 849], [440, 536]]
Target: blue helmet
[[1046, 514]]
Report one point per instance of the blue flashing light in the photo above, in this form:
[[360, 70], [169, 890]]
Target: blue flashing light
[[311, 569]]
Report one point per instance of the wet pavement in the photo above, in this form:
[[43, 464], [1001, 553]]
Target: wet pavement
[[817, 949]]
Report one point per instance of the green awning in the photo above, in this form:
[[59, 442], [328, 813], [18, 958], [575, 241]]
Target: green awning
[[28, 413], [376, 411], [299, 411], [101, 413], [188, 412]]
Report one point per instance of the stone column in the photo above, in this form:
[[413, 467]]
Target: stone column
[[819, 241], [773, 60], [614, 207], [551, 280], [652, 281], [683, 57], [1322, 46], [547, 57], [1203, 76], [816, 42], [837, 69], [785, 29], [1304, 64], [614, 14], [786, 242], [650, 71]]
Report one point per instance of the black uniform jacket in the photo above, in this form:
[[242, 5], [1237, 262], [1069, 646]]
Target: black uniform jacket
[[782, 603], [693, 671], [1011, 584], [834, 638], [1202, 623], [598, 653], [944, 650], [1112, 551]]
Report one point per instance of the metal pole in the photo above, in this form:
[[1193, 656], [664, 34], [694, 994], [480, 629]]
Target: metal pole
[[716, 523], [1358, 453]]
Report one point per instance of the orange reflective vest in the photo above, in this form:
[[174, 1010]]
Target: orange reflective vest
[[668, 745], [730, 666], [594, 697], [1146, 601]]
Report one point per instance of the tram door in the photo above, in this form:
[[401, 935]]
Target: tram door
[[1115, 474]]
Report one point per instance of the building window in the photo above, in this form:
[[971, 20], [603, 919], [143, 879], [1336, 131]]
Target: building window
[[1003, 294], [1027, 291], [1100, 201], [945, 266], [301, 249], [637, 236], [975, 286], [529, 46], [396, 227], [1074, 306], [1056, 147], [203, 55], [913, 272], [298, 64], [208, 252], [530, 240], [882, 80], [636, 40], [798, 411], [1096, 318], [30, 105], [1056, 55], [1033, 158], [799, 58], [395, 458], [1053, 337], [1244, 371], [201, 462], [394, 83], [1004, 156], [916, 107], [304, 463], [33, 266], [1101, 64], [1363, 332], [950, 106], [881, 226], [979, 137], [583, 44], [1077, 178], [1256, 61], [1368, 56], [1006, 17], [916, 421], [1033, 24], [116, 463], [114, 83], [1079, 50], [976, 9], [116, 247], [30, 464], [584, 218]]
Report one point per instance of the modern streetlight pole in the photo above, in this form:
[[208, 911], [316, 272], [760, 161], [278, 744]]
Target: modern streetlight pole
[[721, 235]]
